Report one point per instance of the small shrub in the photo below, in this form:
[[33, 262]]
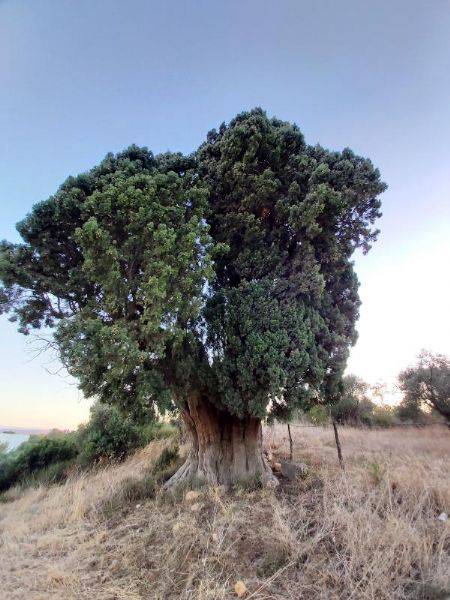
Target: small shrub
[[109, 434], [166, 464], [50, 475], [411, 412], [157, 431], [36, 455], [318, 415], [133, 489], [354, 407], [346, 410], [384, 416]]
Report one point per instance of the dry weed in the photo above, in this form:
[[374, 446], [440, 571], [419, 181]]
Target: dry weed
[[369, 533]]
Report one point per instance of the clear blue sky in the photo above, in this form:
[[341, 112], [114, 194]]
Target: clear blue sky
[[79, 78]]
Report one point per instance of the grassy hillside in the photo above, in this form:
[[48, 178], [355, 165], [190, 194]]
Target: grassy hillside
[[371, 532]]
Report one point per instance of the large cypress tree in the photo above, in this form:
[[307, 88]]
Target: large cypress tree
[[220, 282]]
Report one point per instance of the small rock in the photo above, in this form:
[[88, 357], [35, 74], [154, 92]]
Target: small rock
[[192, 496], [240, 589], [196, 507], [291, 470], [443, 516], [276, 466], [138, 505]]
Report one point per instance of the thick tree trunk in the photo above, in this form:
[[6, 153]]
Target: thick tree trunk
[[225, 450]]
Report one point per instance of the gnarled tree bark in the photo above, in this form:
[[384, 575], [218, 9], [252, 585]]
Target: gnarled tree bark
[[225, 450]]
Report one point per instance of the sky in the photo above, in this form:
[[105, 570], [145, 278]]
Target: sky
[[81, 78]]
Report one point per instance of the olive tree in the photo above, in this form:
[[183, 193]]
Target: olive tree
[[426, 385]]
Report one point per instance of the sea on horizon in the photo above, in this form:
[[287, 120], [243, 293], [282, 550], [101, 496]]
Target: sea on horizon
[[13, 439]]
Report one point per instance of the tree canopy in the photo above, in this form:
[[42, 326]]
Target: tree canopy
[[227, 272], [426, 385], [354, 405]]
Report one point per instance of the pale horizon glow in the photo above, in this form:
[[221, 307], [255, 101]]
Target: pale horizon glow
[[404, 310], [78, 81]]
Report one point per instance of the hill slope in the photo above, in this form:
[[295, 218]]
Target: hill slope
[[371, 532]]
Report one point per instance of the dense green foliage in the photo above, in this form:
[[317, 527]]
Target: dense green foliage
[[282, 315], [318, 415], [37, 455], [109, 435], [354, 406], [411, 412], [117, 260], [228, 273], [384, 416], [426, 387]]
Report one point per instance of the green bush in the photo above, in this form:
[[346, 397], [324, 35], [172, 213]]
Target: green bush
[[318, 415], [345, 410], [366, 413], [108, 435], [158, 430], [352, 411], [129, 490], [6, 474], [36, 455], [411, 411], [112, 435], [384, 416], [354, 406], [166, 464]]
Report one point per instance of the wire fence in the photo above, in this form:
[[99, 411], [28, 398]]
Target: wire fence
[[361, 426], [334, 425]]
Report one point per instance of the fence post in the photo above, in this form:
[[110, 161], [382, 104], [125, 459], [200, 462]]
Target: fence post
[[338, 446], [290, 441]]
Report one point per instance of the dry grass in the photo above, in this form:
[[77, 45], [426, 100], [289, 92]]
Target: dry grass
[[371, 532]]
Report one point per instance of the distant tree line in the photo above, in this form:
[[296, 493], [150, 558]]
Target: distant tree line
[[425, 389]]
